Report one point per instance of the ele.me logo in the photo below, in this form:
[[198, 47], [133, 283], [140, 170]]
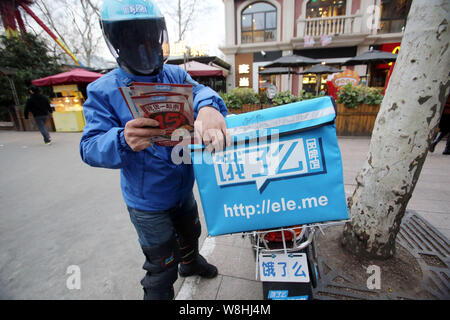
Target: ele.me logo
[[265, 162]]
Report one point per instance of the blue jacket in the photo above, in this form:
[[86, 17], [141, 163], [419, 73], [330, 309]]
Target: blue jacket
[[150, 181]]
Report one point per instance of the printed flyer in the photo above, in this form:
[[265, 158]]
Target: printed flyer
[[170, 104]]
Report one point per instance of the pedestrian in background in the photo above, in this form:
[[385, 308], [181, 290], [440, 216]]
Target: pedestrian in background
[[40, 107], [444, 129]]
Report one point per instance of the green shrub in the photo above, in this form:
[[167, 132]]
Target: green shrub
[[245, 95], [30, 56], [231, 100], [373, 97], [240, 96], [352, 96], [285, 97], [307, 95]]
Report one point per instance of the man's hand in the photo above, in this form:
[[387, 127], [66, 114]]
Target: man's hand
[[211, 127], [138, 132]]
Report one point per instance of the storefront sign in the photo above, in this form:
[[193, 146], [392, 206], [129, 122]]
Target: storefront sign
[[244, 74], [389, 47], [244, 82], [244, 69], [348, 76]]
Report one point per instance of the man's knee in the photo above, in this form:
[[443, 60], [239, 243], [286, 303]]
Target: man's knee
[[188, 225]]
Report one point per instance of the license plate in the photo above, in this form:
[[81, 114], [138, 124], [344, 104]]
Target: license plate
[[283, 267]]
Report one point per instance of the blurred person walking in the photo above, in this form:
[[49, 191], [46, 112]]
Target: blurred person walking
[[40, 107], [444, 129]]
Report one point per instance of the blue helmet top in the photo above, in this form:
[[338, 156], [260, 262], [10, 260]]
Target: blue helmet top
[[117, 10]]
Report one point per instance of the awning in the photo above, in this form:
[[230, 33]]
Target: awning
[[292, 61], [320, 69], [197, 69], [74, 76]]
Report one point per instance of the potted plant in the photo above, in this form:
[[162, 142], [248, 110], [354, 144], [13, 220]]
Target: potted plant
[[233, 103], [354, 96], [285, 97], [357, 109], [248, 98]]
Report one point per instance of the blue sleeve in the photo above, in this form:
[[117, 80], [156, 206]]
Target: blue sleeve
[[205, 96], [103, 143]]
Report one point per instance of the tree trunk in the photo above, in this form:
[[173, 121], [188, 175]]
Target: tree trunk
[[180, 21], [409, 113]]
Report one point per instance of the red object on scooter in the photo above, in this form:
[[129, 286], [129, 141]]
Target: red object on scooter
[[276, 236]]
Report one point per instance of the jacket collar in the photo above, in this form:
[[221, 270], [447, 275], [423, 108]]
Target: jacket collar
[[129, 78]]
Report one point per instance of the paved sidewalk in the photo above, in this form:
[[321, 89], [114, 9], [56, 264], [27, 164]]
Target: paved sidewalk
[[58, 212]]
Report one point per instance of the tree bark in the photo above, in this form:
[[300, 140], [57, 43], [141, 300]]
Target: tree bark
[[409, 113]]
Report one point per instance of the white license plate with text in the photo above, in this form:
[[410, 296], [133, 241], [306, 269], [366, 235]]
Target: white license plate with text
[[283, 267]]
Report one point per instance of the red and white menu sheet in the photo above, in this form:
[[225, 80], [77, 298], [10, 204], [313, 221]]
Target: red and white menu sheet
[[170, 104]]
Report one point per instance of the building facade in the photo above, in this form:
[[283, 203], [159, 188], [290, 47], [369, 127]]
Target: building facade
[[332, 31]]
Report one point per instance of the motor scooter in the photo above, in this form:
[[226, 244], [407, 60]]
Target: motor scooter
[[286, 261]]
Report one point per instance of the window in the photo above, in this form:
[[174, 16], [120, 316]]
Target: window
[[325, 8], [393, 15], [259, 23]]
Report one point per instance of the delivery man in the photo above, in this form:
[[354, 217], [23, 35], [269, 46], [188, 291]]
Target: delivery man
[[157, 192]]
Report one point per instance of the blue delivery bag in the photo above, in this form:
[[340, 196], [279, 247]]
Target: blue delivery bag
[[284, 169]]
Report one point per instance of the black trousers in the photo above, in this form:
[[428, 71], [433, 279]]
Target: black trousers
[[166, 238]]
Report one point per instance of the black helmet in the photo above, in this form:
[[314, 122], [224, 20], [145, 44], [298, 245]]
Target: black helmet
[[136, 34]]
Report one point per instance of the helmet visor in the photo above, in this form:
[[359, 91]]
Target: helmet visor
[[141, 44]]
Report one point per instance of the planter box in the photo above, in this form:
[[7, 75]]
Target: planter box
[[235, 111], [250, 107], [246, 108], [356, 122]]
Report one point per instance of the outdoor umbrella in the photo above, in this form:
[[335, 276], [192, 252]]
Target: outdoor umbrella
[[270, 71], [370, 58], [320, 69], [291, 61], [75, 76]]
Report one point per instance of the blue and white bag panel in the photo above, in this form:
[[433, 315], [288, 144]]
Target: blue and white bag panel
[[284, 169]]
